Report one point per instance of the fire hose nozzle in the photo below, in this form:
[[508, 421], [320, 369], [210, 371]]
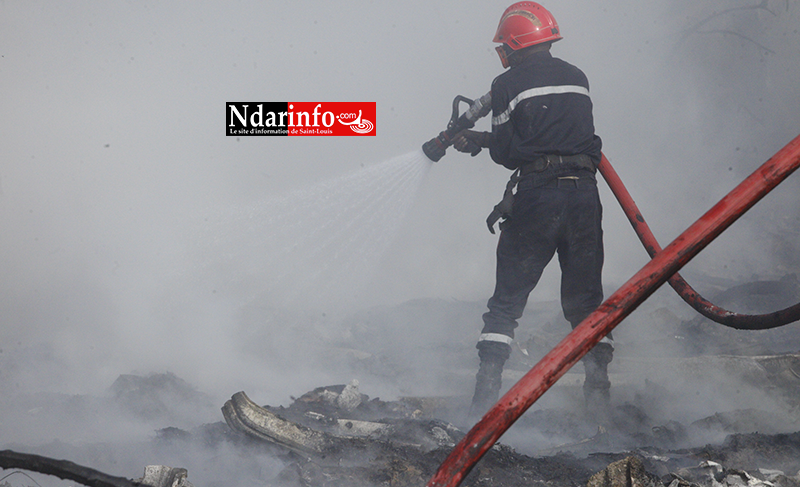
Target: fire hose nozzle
[[435, 148]]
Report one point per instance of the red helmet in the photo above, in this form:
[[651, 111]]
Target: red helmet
[[526, 24]]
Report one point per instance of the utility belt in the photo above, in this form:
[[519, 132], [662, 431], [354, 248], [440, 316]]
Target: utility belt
[[556, 162], [546, 170]]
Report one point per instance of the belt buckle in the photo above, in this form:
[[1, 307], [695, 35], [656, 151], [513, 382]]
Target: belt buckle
[[552, 160]]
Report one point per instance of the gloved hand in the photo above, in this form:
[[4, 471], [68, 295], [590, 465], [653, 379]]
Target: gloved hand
[[471, 142], [501, 210]]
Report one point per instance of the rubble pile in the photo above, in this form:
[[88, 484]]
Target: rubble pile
[[693, 405], [368, 442], [339, 436], [358, 441]]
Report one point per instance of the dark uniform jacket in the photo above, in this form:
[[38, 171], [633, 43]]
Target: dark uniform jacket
[[542, 107]]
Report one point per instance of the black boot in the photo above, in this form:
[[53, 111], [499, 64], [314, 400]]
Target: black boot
[[597, 386], [488, 381]]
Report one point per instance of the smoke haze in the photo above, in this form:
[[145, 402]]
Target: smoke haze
[[132, 227]]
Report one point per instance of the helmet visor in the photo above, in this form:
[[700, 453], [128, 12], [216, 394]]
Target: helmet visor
[[501, 51]]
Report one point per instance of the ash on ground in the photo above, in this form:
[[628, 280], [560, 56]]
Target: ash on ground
[[693, 403]]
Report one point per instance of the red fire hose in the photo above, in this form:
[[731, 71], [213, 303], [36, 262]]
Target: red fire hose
[[692, 297], [664, 264]]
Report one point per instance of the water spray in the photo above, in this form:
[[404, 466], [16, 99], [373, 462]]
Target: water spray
[[436, 147], [363, 210]]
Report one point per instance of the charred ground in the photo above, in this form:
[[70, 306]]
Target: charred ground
[[685, 393]]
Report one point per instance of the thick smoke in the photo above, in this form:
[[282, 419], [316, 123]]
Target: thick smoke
[[138, 238]]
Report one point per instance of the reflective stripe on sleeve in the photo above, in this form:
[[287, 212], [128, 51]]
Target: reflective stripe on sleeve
[[495, 337], [533, 92]]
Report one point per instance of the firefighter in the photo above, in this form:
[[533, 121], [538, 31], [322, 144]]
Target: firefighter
[[543, 130]]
